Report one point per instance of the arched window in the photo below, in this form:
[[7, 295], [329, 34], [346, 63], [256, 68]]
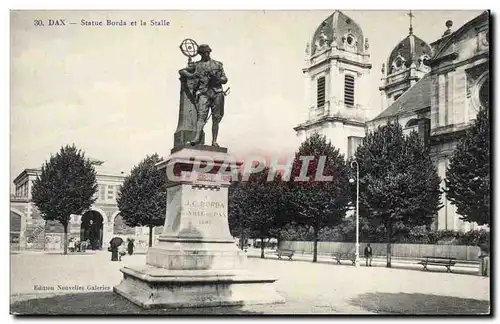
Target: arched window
[[484, 94], [350, 40], [481, 92], [349, 90], [321, 92]]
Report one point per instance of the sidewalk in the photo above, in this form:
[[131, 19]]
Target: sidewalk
[[463, 267], [59, 252]]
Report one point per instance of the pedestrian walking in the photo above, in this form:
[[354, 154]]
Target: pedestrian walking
[[113, 248], [71, 245], [130, 246], [368, 255], [484, 264], [121, 252]]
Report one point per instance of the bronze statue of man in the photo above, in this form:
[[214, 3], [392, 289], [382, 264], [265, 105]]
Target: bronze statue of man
[[207, 91]]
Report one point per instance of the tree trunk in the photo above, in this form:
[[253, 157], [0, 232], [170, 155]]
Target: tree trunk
[[242, 237], [389, 235], [65, 226], [262, 248], [315, 248], [242, 241], [150, 236]]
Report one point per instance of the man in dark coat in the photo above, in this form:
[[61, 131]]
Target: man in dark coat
[[114, 250], [368, 255], [130, 246]]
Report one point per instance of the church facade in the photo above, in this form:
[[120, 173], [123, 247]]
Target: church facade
[[435, 89]]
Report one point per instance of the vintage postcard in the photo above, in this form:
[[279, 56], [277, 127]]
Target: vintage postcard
[[250, 162]]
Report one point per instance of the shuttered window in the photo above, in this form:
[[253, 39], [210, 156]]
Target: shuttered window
[[102, 192], [111, 192], [321, 92], [349, 90]]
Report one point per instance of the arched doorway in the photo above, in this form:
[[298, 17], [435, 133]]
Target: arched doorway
[[91, 229]]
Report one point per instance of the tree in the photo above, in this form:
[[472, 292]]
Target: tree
[[318, 203], [468, 174], [142, 199], [399, 184], [266, 202], [256, 206], [66, 185], [237, 218]]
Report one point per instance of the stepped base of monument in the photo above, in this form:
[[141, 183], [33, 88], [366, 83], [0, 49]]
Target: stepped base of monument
[[198, 147], [153, 287]]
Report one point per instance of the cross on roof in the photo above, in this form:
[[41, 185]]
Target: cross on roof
[[411, 21]]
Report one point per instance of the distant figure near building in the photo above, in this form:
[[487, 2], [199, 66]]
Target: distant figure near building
[[71, 245], [484, 265], [121, 252], [130, 246], [114, 251], [368, 255]]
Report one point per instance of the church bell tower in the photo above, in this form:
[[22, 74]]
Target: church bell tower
[[337, 68], [407, 63]]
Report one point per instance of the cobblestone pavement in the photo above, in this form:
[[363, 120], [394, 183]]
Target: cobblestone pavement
[[308, 288]]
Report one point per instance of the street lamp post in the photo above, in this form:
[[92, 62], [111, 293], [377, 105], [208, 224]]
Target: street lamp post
[[357, 210]]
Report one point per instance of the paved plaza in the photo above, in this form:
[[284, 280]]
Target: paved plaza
[[323, 288]]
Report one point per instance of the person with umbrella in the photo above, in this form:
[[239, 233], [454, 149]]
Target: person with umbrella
[[114, 244]]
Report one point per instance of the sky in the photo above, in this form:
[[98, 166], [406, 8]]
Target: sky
[[114, 91]]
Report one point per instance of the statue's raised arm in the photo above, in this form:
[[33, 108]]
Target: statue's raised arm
[[189, 71]]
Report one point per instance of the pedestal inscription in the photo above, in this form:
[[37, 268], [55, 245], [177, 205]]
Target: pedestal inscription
[[197, 212]]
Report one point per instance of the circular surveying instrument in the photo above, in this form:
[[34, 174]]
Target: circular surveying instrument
[[189, 48]]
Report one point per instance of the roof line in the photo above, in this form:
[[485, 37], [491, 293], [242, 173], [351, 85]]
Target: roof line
[[27, 171], [399, 98], [454, 34]]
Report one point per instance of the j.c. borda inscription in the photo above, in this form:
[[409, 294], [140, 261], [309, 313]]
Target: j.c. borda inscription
[[204, 211]]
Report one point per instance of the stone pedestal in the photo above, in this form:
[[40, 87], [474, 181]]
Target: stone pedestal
[[196, 262]]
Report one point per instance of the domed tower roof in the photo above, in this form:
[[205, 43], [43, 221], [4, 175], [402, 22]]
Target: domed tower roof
[[410, 50], [338, 30]]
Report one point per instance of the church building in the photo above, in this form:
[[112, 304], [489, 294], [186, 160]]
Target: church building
[[433, 88]]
